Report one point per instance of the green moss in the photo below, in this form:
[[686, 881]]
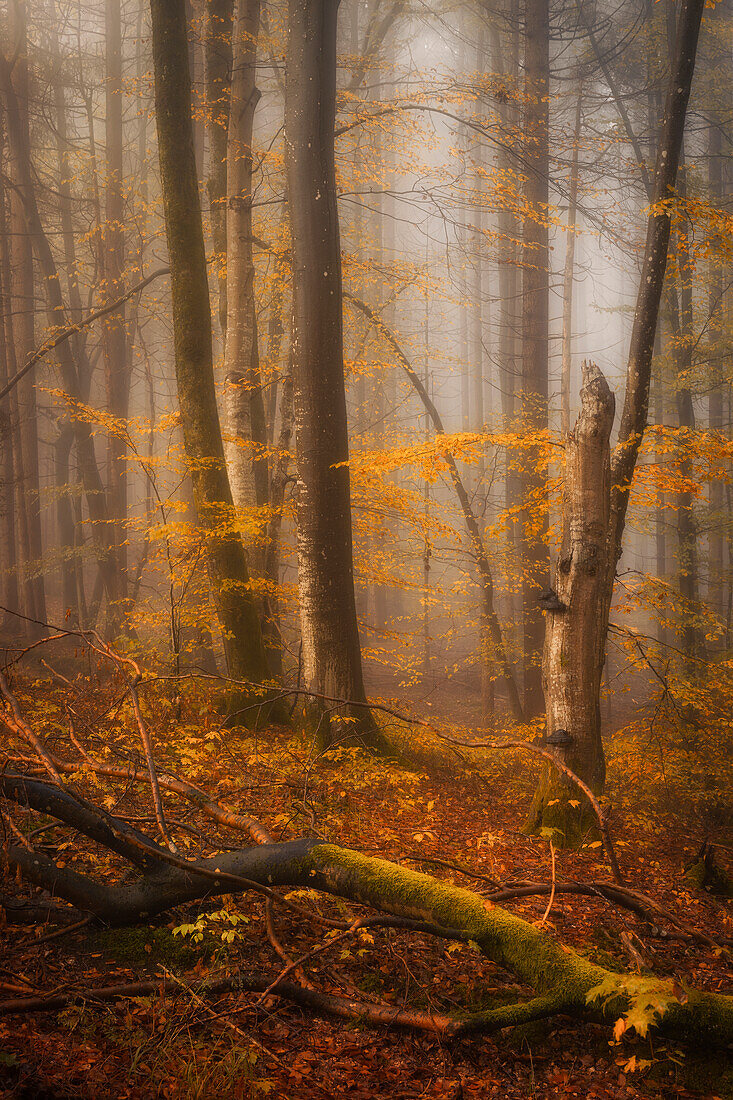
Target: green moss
[[706, 874], [148, 946], [708, 1074]]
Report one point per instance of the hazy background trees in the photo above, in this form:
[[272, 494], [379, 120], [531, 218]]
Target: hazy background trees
[[494, 170]]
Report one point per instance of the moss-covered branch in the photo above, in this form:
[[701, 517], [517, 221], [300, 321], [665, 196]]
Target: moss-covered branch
[[564, 981]]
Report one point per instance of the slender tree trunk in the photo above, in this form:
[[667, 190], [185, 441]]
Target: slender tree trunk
[[716, 541], [245, 412], [218, 53], [569, 275], [505, 62], [9, 589], [71, 568], [71, 372], [660, 515], [117, 366], [535, 334], [692, 642], [226, 559], [23, 314], [277, 501], [331, 649]]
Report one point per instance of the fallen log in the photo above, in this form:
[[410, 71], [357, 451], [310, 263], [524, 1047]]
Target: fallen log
[[564, 981]]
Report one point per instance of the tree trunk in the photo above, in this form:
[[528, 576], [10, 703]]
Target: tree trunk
[[9, 589], [569, 275], [535, 334], [71, 567], [575, 634], [117, 366], [22, 291], [331, 648], [692, 642], [245, 412], [568, 681], [218, 52], [71, 371], [225, 556], [717, 540]]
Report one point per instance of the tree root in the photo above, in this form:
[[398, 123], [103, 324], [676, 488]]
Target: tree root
[[564, 981]]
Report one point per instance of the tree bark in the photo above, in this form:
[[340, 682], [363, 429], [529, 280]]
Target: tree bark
[[22, 292], [575, 635], [569, 274], [692, 642], [71, 371], [535, 557], [117, 366], [717, 540], [225, 556], [567, 683], [331, 648], [218, 55], [243, 401], [8, 541]]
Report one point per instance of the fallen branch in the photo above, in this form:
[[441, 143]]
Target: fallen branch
[[530, 746], [565, 982]]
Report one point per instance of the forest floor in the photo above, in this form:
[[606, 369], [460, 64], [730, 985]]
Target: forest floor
[[468, 813]]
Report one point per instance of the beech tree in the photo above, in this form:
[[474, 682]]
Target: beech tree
[[331, 649], [225, 555]]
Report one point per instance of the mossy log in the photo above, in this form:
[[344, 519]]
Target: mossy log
[[563, 980]]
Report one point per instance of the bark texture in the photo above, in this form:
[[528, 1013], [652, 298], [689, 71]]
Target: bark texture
[[225, 556], [575, 633], [535, 334], [218, 62], [245, 413], [331, 649]]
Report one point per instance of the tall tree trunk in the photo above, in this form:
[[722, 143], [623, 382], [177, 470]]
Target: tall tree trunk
[[505, 63], [71, 567], [23, 314], [576, 629], [243, 400], [225, 556], [218, 54], [331, 648], [692, 642], [117, 366], [575, 642], [9, 589], [717, 540], [569, 274], [71, 371], [535, 334]]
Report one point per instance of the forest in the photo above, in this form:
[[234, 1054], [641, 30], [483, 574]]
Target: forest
[[366, 587]]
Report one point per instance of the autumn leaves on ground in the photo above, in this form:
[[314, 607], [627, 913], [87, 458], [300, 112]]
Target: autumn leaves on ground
[[453, 816], [367, 600]]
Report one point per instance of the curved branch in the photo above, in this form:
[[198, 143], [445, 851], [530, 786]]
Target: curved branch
[[564, 981], [71, 330], [480, 554]]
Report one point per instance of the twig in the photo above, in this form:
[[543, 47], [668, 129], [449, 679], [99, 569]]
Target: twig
[[321, 947], [70, 330], [546, 913], [529, 746], [15, 722]]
